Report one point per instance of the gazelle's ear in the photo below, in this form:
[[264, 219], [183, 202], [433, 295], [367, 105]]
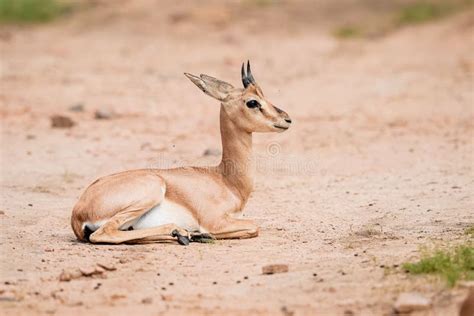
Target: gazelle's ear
[[216, 88]]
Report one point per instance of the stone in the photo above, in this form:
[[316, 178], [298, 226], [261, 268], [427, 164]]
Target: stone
[[103, 115], [166, 298], [411, 301], [61, 121], [68, 275], [467, 307], [79, 107], [275, 268], [89, 271], [107, 266], [466, 284]]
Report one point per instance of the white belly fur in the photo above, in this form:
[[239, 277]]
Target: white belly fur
[[168, 212]]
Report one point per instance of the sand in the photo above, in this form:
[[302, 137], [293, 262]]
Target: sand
[[378, 162]]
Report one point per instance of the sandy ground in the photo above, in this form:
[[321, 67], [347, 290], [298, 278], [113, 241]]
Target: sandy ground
[[378, 162]]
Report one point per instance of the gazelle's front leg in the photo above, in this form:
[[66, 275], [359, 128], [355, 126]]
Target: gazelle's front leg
[[232, 228]]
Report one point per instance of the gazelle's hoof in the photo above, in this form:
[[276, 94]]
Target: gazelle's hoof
[[203, 238], [182, 240]]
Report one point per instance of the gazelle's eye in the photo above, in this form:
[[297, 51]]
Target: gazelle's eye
[[253, 104]]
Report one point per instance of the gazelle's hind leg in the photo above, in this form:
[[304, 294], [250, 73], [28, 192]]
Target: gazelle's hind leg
[[163, 233], [232, 228], [111, 233]]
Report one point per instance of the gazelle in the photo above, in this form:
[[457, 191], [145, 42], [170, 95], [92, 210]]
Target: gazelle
[[188, 203]]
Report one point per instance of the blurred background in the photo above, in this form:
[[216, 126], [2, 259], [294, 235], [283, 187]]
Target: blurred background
[[322, 61], [378, 161]]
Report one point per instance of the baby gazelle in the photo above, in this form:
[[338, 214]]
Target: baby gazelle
[[188, 203]]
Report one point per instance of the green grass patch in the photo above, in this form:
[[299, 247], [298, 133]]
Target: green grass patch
[[424, 11], [31, 11], [451, 265], [348, 31], [262, 3]]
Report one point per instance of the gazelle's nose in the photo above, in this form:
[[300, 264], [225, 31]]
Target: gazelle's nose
[[288, 120]]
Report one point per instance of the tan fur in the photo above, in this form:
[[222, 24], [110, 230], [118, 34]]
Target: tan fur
[[212, 195]]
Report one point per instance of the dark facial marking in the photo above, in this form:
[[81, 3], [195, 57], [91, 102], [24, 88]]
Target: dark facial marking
[[278, 110]]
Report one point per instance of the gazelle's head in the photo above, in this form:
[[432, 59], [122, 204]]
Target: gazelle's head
[[247, 108]]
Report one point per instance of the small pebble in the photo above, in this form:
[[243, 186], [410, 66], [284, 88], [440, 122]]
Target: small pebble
[[79, 107], [103, 115], [275, 268], [60, 121]]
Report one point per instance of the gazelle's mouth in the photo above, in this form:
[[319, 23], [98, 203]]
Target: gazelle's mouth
[[281, 127]]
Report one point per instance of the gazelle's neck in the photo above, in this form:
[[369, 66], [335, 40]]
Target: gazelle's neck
[[237, 162]]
